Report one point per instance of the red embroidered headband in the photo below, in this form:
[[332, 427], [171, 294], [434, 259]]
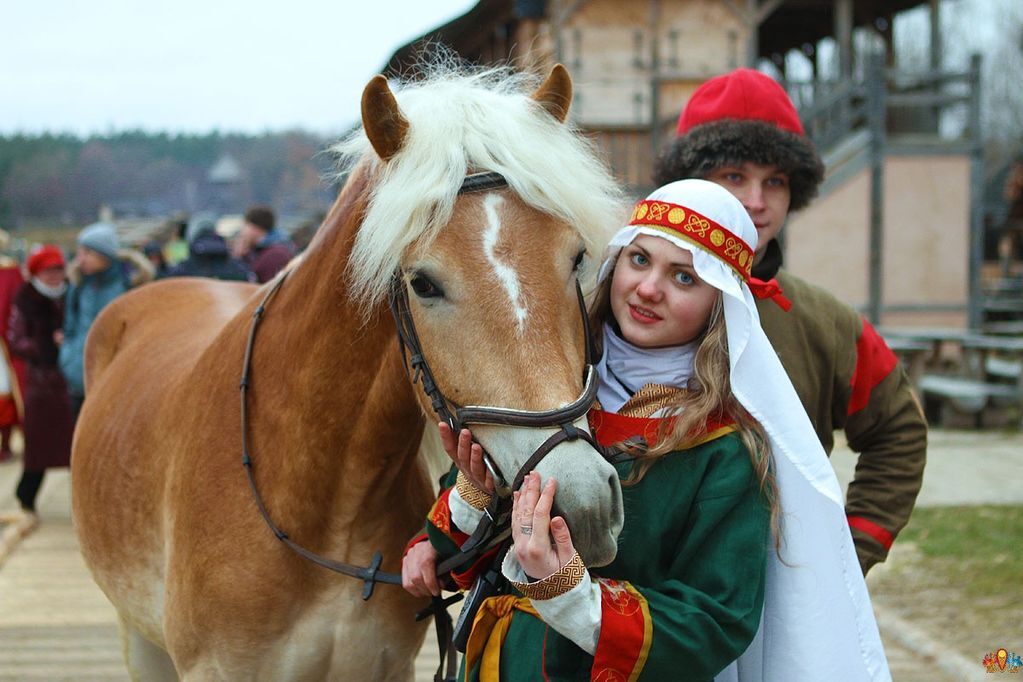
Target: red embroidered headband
[[699, 229]]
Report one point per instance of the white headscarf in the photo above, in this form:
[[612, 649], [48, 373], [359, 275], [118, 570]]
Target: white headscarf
[[817, 622]]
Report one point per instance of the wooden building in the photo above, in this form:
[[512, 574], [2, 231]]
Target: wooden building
[[898, 194]]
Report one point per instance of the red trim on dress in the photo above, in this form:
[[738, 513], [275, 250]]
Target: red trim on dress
[[440, 517], [625, 633], [874, 361], [610, 428]]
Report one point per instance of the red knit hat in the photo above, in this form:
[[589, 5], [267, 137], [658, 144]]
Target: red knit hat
[[48, 256], [743, 94]]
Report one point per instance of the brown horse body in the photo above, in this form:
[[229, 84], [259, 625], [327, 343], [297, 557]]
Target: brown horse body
[[188, 559], [167, 523]]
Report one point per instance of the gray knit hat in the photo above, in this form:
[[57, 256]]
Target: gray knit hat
[[101, 238]]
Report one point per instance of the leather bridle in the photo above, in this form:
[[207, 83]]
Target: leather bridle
[[493, 529], [457, 416]]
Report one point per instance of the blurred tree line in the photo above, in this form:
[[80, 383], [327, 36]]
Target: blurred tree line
[[64, 179]]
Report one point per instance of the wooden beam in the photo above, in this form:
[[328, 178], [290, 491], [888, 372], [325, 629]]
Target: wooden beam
[[736, 10], [752, 33], [752, 16], [569, 11], [767, 9], [843, 14], [935, 35]]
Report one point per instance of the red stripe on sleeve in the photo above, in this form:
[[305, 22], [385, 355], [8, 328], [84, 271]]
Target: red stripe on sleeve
[[875, 531], [874, 361]]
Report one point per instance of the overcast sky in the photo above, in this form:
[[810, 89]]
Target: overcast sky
[[195, 65]]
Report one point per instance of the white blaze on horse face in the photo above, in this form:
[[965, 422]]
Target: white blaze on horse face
[[505, 274]]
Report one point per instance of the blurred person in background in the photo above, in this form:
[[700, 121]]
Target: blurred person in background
[[100, 272], [12, 370], [35, 334], [153, 250], [176, 249], [261, 246], [208, 254]]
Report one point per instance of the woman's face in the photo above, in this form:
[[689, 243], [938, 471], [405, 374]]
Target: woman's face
[[51, 277], [90, 262], [656, 297]]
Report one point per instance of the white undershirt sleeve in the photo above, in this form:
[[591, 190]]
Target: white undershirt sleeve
[[464, 515], [574, 614]]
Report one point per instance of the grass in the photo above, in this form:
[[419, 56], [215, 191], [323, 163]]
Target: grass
[[979, 549], [954, 572]]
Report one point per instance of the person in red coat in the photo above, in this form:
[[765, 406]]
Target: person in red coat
[[11, 369], [34, 334]]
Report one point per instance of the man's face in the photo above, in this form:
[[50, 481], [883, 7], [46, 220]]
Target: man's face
[[248, 236], [764, 192]]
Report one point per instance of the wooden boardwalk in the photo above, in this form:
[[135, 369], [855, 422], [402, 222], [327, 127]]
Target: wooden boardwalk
[[55, 623]]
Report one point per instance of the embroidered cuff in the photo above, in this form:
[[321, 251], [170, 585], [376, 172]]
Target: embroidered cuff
[[470, 494], [576, 614], [557, 583]]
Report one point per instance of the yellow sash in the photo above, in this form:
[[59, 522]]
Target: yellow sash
[[488, 632]]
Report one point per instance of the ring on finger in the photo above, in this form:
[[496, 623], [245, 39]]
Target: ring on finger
[[526, 530]]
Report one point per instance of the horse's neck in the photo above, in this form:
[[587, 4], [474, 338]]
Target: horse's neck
[[333, 391]]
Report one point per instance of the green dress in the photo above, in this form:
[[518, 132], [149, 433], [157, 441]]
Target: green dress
[[682, 599]]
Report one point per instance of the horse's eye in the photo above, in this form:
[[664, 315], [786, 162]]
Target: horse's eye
[[424, 287], [579, 257]]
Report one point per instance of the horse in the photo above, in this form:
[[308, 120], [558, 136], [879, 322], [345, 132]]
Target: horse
[[167, 521]]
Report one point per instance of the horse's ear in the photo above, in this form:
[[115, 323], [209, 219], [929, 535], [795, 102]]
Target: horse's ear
[[555, 94], [385, 126]]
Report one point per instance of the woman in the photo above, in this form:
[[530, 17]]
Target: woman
[[731, 509], [34, 335]]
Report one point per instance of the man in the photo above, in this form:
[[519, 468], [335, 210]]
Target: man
[[208, 254], [262, 247], [741, 131]]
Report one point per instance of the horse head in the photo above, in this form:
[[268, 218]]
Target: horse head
[[490, 276]]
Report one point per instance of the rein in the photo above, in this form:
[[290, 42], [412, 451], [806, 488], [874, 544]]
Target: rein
[[370, 575]]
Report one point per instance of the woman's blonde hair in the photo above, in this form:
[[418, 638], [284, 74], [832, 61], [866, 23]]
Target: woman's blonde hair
[[708, 399]]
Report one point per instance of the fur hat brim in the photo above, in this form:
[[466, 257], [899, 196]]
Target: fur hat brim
[[729, 142]]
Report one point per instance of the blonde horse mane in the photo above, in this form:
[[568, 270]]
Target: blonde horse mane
[[463, 121]]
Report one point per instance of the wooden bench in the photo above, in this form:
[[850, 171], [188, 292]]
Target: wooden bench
[[966, 395]]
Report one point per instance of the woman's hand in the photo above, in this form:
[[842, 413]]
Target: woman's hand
[[468, 456], [419, 570], [542, 544]]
